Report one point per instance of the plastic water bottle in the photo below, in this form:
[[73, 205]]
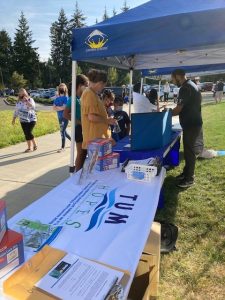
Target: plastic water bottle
[[116, 128]]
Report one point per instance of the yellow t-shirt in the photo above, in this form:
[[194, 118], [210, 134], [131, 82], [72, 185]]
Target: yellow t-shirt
[[91, 104]]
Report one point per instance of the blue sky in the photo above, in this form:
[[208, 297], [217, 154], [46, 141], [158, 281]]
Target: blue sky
[[40, 14]]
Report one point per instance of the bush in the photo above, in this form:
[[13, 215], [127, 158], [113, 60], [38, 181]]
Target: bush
[[11, 100], [44, 101]]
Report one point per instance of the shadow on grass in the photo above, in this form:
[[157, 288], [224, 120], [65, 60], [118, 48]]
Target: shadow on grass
[[171, 192], [21, 197]]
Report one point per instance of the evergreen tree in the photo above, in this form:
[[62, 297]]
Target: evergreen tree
[[105, 15], [18, 81], [60, 47], [25, 56], [114, 12], [125, 7], [5, 58], [112, 76], [78, 18]]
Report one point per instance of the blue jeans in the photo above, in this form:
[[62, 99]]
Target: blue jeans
[[63, 124]]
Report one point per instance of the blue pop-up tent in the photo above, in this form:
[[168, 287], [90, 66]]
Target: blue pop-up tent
[[159, 33]]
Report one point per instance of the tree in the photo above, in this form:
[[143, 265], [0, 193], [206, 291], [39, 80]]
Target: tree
[[114, 12], [5, 58], [78, 18], [18, 81], [112, 76], [60, 47], [25, 56], [125, 7], [105, 15]]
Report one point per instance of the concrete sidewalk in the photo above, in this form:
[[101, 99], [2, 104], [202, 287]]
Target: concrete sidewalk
[[25, 177]]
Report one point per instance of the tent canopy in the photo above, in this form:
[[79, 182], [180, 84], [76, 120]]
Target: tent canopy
[[159, 33]]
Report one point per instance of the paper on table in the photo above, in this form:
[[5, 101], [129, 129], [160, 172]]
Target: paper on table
[[78, 278], [36, 234]]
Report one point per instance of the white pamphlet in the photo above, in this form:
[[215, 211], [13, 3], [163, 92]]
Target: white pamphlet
[[78, 278]]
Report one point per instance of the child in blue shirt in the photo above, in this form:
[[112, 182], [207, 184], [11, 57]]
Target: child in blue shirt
[[59, 105]]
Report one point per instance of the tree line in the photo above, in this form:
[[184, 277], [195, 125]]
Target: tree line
[[20, 63]]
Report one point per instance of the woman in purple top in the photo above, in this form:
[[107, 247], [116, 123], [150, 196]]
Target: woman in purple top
[[59, 105]]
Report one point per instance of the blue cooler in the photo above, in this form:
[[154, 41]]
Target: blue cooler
[[151, 130]]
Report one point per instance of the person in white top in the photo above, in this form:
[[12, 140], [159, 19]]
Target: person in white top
[[166, 90], [175, 94], [25, 111]]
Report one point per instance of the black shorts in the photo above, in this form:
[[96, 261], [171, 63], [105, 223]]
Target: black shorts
[[78, 134]]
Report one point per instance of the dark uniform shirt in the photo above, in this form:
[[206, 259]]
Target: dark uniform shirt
[[220, 86], [190, 97]]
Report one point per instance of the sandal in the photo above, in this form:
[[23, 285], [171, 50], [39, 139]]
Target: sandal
[[27, 150], [35, 148]]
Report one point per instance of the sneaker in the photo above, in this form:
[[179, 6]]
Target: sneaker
[[60, 150], [184, 183], [180, 177]]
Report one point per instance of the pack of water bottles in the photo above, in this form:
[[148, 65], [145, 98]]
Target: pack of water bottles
[[106, 158], [104, 146]]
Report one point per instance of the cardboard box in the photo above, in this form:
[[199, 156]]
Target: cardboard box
[[104, 146], [108, 162], [151, 130], [3, 220], [11, 252], [146, 280]]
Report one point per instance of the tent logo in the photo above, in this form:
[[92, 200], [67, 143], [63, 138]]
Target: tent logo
[[153, 71], [96, 40]]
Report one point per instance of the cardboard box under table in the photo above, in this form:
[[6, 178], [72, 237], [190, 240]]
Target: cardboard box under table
[[146, 280], [151, 130]]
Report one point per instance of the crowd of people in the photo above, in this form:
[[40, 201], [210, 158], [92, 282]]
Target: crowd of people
[[95, 116], [100, 114]]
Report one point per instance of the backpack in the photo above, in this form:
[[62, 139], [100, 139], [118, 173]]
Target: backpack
[[169, 234]]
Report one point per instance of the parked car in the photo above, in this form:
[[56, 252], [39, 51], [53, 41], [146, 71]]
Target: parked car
[[34, 94], [214, 91], [161, 94], [205, 86]]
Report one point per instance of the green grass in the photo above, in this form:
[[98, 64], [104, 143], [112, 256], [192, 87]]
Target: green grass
[[10, 135], [197, 269]]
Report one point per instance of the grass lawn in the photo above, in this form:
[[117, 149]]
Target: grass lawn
[[10, 135], [197, 269]]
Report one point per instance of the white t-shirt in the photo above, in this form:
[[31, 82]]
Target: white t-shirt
[[166, 88]]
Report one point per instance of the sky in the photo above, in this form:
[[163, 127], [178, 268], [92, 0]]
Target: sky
[[40, 14]]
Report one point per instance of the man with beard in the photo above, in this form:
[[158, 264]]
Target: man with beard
[[189, 110]]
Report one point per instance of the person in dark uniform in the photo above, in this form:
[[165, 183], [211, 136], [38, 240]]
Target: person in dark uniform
[[189, 110]]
